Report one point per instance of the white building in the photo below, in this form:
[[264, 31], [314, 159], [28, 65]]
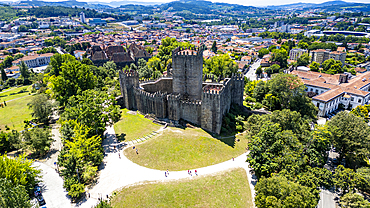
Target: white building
[[333, 90], [82, 17], [34, 60]]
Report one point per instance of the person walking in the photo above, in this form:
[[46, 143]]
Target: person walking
[[165, 173], [137, 152], [188, 172], [119, 155], [195, 171], [168, 173], [233, 159]]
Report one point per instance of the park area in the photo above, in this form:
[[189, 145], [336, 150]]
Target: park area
[[225, 189], [181, 149], [16, 109], [133, 125]]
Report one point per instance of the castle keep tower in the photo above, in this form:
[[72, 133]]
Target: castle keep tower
[[187, 70]]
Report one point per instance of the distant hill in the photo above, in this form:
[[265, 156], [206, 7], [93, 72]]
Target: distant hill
[[325, 5], [68, 3]]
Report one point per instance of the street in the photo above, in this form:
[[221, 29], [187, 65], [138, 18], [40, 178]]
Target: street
[[251, 74]]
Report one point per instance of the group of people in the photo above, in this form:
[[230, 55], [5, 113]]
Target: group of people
[[195, 171], [166, 173]]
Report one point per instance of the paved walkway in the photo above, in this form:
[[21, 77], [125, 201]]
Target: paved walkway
[[120, 172]]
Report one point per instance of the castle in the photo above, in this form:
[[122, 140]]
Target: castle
[[187, 95]]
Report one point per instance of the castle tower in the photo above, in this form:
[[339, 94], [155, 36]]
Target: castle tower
[[128, 81], [187, 70]]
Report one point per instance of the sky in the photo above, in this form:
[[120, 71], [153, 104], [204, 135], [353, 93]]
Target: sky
[[241, 2]]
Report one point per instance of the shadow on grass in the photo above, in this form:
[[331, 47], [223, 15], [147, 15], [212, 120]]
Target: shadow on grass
[[228, 140]]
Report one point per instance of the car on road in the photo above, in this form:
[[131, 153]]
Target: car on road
[[41, 200]]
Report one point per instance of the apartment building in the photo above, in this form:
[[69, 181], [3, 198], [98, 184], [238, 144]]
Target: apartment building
[[322, 55], [294, 54]]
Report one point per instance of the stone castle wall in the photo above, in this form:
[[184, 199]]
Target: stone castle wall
[[178, 97], [151, 103], [163, 85]]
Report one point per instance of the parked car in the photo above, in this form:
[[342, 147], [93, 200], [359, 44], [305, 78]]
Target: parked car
[[41, 200]]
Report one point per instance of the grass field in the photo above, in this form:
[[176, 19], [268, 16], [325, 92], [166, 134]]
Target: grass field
[[225, 189], [134, 126], [15, 113], [178, 149], [14, 92]]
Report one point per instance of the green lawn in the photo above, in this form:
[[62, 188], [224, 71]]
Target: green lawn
[[15, 92], [225, 189], [134, 126], [178, 149], [15, 113]]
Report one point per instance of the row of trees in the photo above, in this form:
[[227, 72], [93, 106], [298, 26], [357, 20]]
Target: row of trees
[[87, 95]]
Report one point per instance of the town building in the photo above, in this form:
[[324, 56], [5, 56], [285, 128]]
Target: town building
[[82, 17], [331, 91], [34, 60], [295, 53], [321, 55]]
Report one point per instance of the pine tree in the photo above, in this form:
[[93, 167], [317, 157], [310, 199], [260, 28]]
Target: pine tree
[[3, 75], [214, 47], [24, 70]]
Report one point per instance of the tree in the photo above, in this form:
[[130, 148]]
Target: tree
[[73, 79], [278, 192], [347, 179], [304, 60], [214, 47], [38, 139], [42, 108], [221, 65], [94, 109], [19, 171], [13, 195], [280, 56], [354, 200], [10, 141], [262, 52], [3, 74], [350, 137], [8, 61], [22, 28], [303, 45], [57, 60], [314, 66], [291, 93], [332, 66], [259, 71], [272, 150]]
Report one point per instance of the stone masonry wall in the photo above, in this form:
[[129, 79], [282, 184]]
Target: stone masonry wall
[[151, 103], [187, 69], [162, 85]]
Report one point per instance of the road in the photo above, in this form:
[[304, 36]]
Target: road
[[326, 199], [59, 50], [251, 74]]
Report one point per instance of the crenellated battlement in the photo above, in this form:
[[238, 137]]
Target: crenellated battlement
[[129, 73], [187, 51]]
